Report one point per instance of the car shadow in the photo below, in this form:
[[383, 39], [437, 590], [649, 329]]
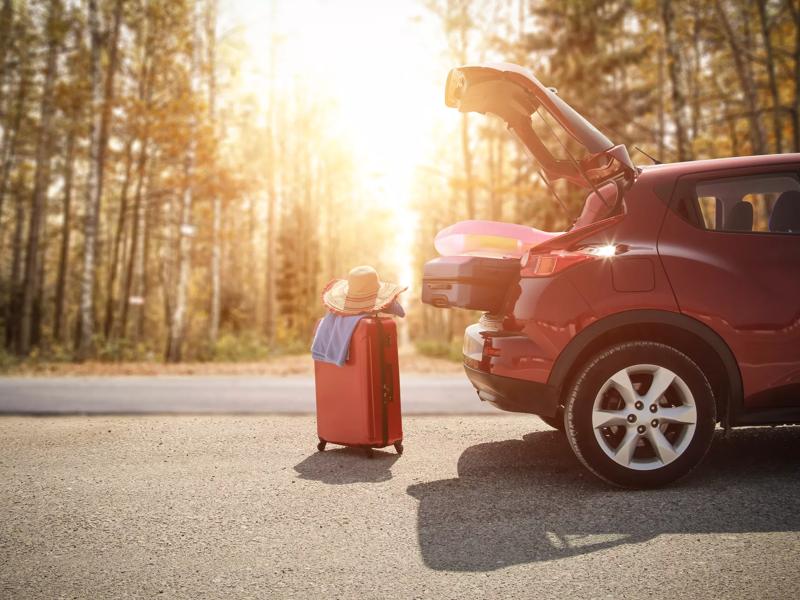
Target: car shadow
[[529, 500], [340, 466]]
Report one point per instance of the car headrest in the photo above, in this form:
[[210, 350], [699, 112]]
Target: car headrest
[[740, 217], [785, 215]]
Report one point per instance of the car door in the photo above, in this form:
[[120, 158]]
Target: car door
[[731, 249]]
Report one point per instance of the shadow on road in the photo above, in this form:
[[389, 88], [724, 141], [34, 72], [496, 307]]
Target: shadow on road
[[347, 465], [528, 500]]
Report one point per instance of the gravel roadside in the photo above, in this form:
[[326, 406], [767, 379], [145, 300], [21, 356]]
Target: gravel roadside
[[277, 366]]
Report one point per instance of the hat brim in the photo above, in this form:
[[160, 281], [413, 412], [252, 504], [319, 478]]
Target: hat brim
[[335, 298]]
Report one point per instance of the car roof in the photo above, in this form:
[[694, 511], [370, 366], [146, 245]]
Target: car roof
[[714, 164]]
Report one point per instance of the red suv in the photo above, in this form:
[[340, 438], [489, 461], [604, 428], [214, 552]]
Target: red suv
[[671, 304]]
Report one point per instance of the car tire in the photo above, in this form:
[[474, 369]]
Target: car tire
[[556, 422], [640, 414]]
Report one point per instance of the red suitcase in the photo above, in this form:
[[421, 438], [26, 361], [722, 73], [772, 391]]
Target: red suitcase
[[358, 404]]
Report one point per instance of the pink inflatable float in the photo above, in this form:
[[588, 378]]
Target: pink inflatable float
[[489, 238]]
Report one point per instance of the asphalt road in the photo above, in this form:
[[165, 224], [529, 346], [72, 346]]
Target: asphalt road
[[477, 507], [214, 394]]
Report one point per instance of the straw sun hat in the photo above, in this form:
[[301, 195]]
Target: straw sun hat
[[361, 292]]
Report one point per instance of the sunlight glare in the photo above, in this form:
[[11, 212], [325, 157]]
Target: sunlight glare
[[383, 70]]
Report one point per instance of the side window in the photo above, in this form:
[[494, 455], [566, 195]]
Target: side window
[[708, 208], [762, 203], [767, 203]]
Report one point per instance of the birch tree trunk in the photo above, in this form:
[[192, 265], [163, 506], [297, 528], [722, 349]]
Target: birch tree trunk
[[269, 275], [8, 153], [114, 266], [133, 273], [37, 314], [496, 168], [177, 323], [696, 69], [674, 69], [41, 181], [6, 19], [137, 231], [216, 202], [745, 81], [105, 118], [141, 274], [794, 10], [272, 200], [660, 111], [466, 154], [15, 278], [178, 317], [91, 197], [463, 22], [216, 259], [66, 232], [251, 287], [777, 130]]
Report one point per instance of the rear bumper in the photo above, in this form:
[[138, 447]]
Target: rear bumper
[[514, 395]]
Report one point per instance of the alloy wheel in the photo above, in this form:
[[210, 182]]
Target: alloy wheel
[[644, 417]]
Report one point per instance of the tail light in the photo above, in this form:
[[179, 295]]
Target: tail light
[[552, 262], [570, 249]]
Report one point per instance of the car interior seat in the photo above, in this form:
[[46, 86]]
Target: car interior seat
[[740, 217], [597, 205], [785, 217]]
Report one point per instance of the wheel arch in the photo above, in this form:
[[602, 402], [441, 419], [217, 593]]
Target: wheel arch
[[692, 337]]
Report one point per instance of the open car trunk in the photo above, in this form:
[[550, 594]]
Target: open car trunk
[[564, 144]]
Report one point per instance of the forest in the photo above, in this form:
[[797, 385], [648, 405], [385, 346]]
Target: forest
[[157, 204]]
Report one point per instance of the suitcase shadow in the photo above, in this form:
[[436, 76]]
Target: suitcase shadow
[[529, 500], [341, 466]]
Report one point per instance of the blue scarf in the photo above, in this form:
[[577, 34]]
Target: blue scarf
[[332, 339]]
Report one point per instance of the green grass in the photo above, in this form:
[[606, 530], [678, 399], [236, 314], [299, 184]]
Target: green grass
[[247, 347], [7, 361], [440, 349], [230, 348]]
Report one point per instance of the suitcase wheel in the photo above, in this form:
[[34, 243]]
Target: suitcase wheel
[[321, 445], [398, 447], [370, 453]]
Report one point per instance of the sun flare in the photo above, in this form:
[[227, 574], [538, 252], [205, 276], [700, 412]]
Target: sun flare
[[380, 67]]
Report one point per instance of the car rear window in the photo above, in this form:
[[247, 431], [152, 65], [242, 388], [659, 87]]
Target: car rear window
[[559, 144]]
